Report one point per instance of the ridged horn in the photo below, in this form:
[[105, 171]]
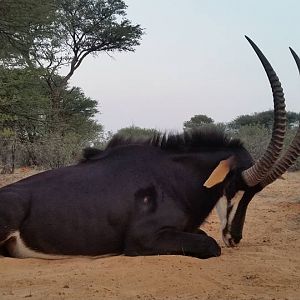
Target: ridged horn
[[260, 169], [293, 151]]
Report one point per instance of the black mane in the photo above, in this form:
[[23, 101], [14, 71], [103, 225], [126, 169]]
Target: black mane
[[185, 142], [188, 141], [90, 153]]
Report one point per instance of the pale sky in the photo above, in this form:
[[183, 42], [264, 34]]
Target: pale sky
[[194, 59]]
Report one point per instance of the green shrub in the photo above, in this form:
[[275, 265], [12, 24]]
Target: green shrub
[[257, 137]]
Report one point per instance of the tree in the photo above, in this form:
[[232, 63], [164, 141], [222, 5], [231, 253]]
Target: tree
[[264, 119], [24, 25], [63, 33], [197, 121], [39, 38], [24, 128], [23, 101]]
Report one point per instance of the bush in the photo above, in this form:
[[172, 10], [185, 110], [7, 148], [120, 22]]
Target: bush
[[257, 137], [52, 152], [49, 152], [137, 132]]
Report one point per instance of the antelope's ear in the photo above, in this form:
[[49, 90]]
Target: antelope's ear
[[220, 172]]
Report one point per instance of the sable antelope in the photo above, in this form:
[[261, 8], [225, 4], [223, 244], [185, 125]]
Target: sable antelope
[[145, 197]]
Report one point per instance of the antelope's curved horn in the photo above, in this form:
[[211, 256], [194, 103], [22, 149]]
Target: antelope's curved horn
[[259, 170], [293, 151]]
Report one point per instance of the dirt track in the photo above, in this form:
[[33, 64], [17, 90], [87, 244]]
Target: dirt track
[[266, 265]]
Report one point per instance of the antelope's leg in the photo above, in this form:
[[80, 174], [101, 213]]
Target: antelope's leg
[[174, 242], [13, 210]]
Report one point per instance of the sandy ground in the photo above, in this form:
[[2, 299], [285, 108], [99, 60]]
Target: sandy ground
[[266, 264]]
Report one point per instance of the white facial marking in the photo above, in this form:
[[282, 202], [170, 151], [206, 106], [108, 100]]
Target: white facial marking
[[221, 208], [226, 239], [226, 220], [234, 203]]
